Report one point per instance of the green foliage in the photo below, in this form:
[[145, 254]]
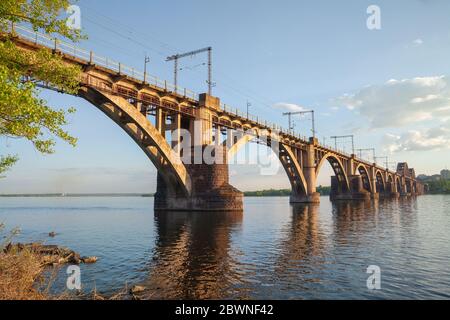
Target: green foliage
[[6, 163], [324, 191], [41, 14], [22, 113], [268, 193], [439, 187]]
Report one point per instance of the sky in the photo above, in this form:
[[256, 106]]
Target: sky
[[389, 87]]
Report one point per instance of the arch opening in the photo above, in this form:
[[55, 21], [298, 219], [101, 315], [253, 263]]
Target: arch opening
[[339, 182], [399, 185], [246, 150], [390, 184], [381, 188], [172, 174], [364, 177]]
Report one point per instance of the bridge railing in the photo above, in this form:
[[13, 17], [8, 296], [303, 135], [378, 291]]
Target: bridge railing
[[90, 57]]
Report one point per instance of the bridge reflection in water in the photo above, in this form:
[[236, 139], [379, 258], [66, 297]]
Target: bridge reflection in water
[[201, 256], [192, 257]]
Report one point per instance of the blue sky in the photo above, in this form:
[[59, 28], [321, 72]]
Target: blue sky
[[388, 86]]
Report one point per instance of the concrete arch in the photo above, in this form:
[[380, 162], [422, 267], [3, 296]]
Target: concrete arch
[[338, 169], [239, 144], [380, 181], [362, 170], [150, 97], [390, 178], [286, 157], [165, 101], [226, 118], [239, 123], [149, 139], [398, 184]]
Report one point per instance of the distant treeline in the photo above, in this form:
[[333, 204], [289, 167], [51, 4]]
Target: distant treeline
[[324, 191], [439, 186]]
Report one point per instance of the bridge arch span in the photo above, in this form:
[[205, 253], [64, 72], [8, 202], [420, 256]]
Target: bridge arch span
[[380, 181], [338, 169], [285, 155], [147, 137], [364, 173], [398, 184], [390, 178]]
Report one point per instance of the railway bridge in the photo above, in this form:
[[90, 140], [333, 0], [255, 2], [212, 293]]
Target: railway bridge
[[175, 128]]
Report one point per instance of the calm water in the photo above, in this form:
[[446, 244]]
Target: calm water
[[272, 250]]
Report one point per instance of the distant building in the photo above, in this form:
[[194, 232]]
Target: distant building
[[422, 177], [445, 174]]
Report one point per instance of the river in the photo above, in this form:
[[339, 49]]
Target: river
[[272, 250]]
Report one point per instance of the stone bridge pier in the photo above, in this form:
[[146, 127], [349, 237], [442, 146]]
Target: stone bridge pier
[[211, 190], [207, 167], [390, 190], [356, 189]]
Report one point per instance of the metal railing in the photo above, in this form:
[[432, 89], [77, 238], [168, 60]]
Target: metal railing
[[90, 57]]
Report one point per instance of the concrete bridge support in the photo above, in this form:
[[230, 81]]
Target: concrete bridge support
[[404, 188], [309, 171], [209, 176], [373, 183], [391, 191], [211, 190], [356, 192]]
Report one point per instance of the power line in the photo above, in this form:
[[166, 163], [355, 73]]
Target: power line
[[351, 136], [131, 30], [177, 56], [367, 149], [290, 114], [248, 93], [126, 37], [115, 22]]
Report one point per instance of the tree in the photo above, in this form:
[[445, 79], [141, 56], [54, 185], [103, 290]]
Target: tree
[[23, 114]]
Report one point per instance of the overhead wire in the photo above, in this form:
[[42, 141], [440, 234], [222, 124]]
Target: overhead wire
[[114, 23]]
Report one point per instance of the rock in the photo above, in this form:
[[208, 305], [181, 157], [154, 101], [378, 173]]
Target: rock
[[89, 259], [74, 258], [51, 254], [137, 289]]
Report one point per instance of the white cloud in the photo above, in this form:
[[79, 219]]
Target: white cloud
[[418, 42], [289, 107], [431, 139], [401, 102]]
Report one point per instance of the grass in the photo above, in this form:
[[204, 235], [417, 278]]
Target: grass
[[21, 272], [22, 275]]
